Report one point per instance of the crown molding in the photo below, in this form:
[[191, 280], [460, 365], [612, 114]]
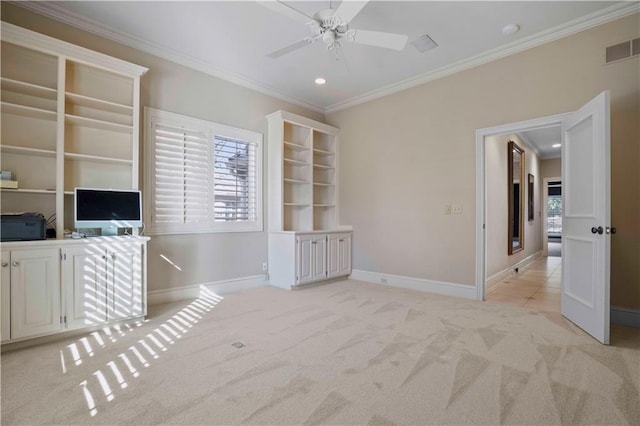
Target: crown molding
[[58, 13], [594, 19], [586, 22]]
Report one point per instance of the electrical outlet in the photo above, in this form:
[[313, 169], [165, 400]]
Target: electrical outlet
[[456, 208], [265, 266], [447, 209]]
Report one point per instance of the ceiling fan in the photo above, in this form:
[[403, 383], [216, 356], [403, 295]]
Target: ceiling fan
[[332, 26]]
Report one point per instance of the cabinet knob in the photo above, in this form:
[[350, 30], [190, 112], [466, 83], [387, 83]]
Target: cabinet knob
[[15, 263], [104, 257], [5, 264]]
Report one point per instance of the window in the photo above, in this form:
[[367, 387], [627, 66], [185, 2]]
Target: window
[[201, 176]]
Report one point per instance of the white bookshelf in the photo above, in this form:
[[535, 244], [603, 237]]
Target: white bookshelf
[[306, 242], [70, 118]]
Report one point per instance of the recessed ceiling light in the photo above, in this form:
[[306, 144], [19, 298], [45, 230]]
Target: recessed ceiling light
[[510, 29], [320, 81], [556, 145]]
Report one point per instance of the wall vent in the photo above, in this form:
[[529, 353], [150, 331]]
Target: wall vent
[[623, 50], [635, 47]]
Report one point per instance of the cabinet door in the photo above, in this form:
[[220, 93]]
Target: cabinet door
[[84, 275], [124, 282], [344, 254], [304, 259], [35, 292], [333, 262], [5, 298], [319, 257]]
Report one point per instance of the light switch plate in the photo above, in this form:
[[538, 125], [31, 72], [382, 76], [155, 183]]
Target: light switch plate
[[447, 209]]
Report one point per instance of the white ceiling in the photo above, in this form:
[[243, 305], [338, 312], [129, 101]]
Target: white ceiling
[[542, 140], [231, 40]]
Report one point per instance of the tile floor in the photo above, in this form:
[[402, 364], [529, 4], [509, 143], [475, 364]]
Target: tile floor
[[537, 286]]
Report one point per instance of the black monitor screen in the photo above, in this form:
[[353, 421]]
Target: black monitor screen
[[94, 204]]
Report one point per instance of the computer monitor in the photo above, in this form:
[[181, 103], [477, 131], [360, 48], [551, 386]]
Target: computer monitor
[[108, 209]]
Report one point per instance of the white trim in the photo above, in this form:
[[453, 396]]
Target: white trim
[[34, 40], [501, 275], [594, 19], [157, 297], [63, 15], [629, 317], [420, 284], [481, 200]]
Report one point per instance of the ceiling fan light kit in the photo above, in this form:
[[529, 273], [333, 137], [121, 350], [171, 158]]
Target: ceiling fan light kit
[[332, 26]]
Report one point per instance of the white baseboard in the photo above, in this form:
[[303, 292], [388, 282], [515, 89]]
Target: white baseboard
[[625, 316], [439, 287], [156, 297], [499, 276]]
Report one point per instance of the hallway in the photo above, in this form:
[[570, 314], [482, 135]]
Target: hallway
[[537, 286]]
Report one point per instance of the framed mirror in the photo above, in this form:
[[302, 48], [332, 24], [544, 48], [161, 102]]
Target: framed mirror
[[530, 197], [515, 180]]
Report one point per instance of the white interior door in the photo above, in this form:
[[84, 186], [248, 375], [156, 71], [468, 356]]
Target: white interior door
[[586, 217]]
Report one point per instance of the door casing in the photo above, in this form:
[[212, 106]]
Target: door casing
[[481, 189]]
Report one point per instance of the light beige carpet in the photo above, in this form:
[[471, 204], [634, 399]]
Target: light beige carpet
[[341, 353]]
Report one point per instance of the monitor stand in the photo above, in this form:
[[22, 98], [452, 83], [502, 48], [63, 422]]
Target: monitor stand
[[109, 231]]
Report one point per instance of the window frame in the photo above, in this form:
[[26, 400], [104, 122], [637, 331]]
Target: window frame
[[211, 129]]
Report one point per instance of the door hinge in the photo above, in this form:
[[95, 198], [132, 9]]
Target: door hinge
[[63, 256], [65, 319]]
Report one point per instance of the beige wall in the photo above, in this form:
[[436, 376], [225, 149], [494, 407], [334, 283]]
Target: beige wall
[[551, 168], [202, 257], [404, 156], [497, 255]]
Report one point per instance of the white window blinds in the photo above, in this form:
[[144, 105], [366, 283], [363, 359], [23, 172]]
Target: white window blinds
[[201, 176]]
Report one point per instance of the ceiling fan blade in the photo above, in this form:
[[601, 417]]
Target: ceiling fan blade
[[377, 38], [286, 10], [291, 48], [349, 9]]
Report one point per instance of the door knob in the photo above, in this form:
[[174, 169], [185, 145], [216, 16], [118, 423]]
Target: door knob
[[5, 264], [15, 263], [598, 230]]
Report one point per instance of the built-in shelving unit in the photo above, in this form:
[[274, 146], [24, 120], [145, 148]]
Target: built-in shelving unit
[[302, 165], [70, 118], [306, 243]]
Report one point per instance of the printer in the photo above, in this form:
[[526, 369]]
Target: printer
[[23, 227]]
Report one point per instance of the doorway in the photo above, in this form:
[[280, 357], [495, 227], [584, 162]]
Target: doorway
[[552, 204], [586, 204], [526, 277]]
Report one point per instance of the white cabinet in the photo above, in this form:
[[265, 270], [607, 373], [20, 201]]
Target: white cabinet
[[5, 296], [103, 282], [316, 257], [70, 113], [311, 258], [58, 285], [338, 255], [33, 277]]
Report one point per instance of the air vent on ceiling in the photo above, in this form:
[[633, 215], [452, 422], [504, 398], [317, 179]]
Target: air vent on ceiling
[[424, 43], [623, 50]]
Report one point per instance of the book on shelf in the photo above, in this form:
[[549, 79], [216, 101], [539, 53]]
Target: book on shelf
[[6, 175], [9, 184]]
